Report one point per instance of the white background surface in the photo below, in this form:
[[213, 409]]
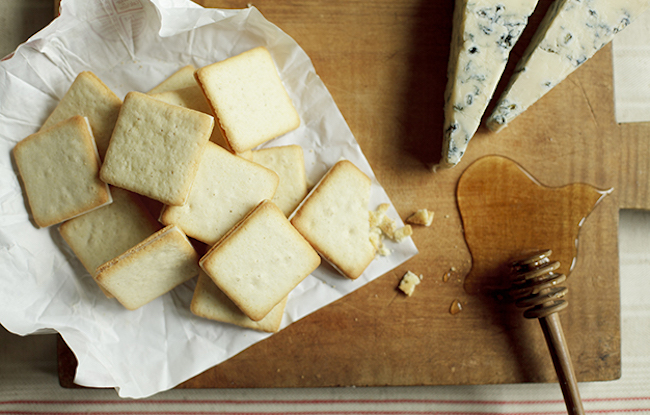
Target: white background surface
[[28, 371]]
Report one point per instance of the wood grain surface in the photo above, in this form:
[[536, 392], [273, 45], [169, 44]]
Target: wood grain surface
[[384, 63]]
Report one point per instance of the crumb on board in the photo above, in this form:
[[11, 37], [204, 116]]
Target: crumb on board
[[408, 282], [422, 217]]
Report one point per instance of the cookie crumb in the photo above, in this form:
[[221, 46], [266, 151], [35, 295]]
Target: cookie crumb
[[402, 233], [422, 217], [382, 226], [408, 282]]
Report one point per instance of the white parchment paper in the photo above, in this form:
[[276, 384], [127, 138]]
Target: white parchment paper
[[134, 45]]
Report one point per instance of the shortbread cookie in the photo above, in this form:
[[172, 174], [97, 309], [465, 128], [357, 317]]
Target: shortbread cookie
[[288, 162], [248, 155], [105, 233], [90, 98], [260, 261], [248, 99], [334, 219], [156, 148], [192, 97], [226, 188], [150, 269], [59, 168], [211, 303], [182, 78]]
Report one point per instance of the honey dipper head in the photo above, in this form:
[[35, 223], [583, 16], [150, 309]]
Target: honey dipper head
[[535, 285], [532, 260]]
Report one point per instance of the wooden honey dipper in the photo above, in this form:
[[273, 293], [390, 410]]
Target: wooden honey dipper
[[535, 287]]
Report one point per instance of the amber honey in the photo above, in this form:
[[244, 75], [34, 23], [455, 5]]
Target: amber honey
[[507, 213], [455, 307]]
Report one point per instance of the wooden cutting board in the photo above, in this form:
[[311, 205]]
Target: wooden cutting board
[[385, 64]]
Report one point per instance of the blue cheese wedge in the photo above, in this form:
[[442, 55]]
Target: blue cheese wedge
[[572, 32], [484, 33]]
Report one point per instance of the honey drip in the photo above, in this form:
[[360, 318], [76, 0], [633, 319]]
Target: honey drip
[[506, 213], [456, 307]]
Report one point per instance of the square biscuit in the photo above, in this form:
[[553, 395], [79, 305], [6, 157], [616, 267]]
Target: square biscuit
[[105, 233], [210, 302], [150, 269], [289, 163], [182, 78], [248, 99], [156, 148], [89, 97], [225, 189], [260, 260], [191, 97], [334, 218], [59, 168]]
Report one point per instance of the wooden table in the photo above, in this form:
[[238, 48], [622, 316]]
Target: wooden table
[[385, 64]]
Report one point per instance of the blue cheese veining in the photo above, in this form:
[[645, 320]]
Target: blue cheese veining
[[484, 32], [572, 32]]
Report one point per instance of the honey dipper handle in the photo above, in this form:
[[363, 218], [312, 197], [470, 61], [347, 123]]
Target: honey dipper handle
[[552, 328]]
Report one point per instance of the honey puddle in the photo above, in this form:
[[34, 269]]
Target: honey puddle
[[506, 213]]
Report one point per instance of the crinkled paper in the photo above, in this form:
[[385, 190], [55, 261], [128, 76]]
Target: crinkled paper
[[134, 45]]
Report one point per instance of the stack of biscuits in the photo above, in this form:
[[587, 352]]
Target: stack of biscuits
[[167, 186]]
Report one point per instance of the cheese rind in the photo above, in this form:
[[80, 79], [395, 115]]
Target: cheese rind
[[572, 32], [484, 33]]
